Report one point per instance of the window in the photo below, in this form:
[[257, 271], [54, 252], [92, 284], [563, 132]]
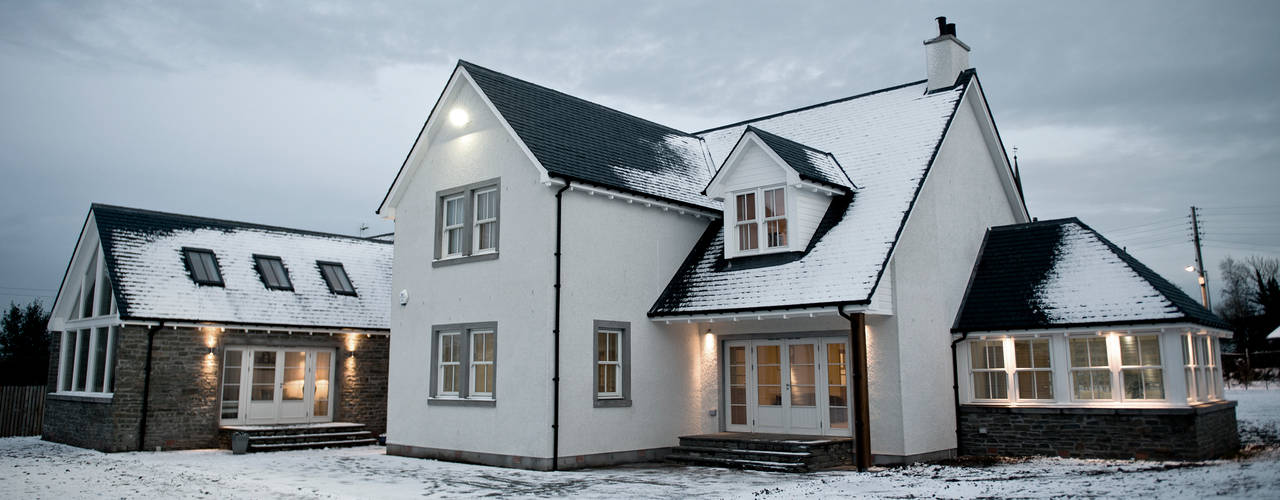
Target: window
[[989, 378], [203, 266], [336, 277], [747, 226], [775, 217], [486, 226], [1032, 369], [1204, 376], [1090, 369], [273, 273], [464, 364], [612, 364], [231, 363], [86, 361], [467, 223], [763, 211], [1140, 367]]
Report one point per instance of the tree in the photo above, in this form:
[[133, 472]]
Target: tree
[[1250, 299], [24, 345]]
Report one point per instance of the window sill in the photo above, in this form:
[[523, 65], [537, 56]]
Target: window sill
[[449, 261], [461, 402], [613, 403], [82, 397]]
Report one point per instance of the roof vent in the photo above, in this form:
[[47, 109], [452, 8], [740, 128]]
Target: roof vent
[[946, 56]]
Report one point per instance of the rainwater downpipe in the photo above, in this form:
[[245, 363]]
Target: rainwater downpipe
[[955, 384], [861, 407], [555, 377], [146, 384]]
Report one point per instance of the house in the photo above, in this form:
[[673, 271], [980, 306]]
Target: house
[[1067, 345], [170, 331]]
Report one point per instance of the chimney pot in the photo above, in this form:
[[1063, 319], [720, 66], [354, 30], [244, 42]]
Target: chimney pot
[[950, 29], [942, 25], [945, 56]]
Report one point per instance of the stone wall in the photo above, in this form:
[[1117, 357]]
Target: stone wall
[[1199, 432], [183, 409]]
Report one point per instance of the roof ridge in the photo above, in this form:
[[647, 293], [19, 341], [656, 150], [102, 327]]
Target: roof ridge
[[468, 64], [811, 106], [793, 141], [96, 207], [1036, 223]]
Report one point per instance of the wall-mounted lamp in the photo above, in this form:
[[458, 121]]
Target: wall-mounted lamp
[[459, 117], [351, 354], [211, 350]]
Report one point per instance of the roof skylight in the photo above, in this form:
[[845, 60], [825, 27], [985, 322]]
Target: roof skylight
[[273, 273], [203, 266], [336, 277]]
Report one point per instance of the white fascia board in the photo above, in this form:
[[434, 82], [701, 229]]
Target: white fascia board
[[94, 322], [613, 194], [261, 328], [995, 146], [819, 188], [1181, 327], [84, 244], [813, 312], [715, 189], [410, 167]]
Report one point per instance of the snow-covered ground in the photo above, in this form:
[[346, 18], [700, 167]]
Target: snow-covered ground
[[37, 469]]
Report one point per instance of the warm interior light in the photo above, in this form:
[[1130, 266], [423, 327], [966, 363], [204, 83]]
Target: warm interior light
[[459, 117]]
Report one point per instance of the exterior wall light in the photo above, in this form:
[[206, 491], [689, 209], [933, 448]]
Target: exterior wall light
[[459, 117], [211, 349]]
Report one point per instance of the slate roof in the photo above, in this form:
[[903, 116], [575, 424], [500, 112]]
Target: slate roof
[[590, 143], [143, 253], [1061, 273], [885, 139], [810, 163]]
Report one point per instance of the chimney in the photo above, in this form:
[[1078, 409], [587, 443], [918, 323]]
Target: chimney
[[946, 56]]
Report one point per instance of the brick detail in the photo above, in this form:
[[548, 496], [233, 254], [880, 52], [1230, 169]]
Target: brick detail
[[184, 402], [1200, 432]]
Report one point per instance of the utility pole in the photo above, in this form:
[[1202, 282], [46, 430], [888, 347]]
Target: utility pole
[[1195, 235]]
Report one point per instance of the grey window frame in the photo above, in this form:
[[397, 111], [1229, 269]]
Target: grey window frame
[[464, 381], [625, 382], [320, 269], [468, 193], [217, 268], [288, 286]]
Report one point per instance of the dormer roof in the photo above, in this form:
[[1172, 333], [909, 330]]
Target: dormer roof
[[810, 163]]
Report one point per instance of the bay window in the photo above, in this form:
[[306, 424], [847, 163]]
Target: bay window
[[1200, 358], [1032, 369], [1090, 368], [1140, 368], [989, 378], [761, 212]]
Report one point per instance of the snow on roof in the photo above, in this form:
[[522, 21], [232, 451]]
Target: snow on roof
[[143, 251], [587, 142], [1274, 335], [886, 140], [1062, 273], [810, 163]]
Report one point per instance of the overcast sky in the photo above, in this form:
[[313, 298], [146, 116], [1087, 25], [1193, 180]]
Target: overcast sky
[[299, 114]]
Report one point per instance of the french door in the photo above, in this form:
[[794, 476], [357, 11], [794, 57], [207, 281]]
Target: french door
[[787, 386], [277, 385]]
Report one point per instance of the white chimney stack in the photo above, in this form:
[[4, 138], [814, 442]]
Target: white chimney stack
[[946, 56]]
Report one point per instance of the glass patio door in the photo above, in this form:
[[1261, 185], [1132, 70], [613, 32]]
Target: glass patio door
[[276, 386], [793, 386]]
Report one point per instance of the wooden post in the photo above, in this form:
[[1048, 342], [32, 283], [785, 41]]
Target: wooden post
[[861, 409]]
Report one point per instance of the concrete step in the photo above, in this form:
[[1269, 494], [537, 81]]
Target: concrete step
[[744, 454], [340, 443], [730, 463], [304, 437]]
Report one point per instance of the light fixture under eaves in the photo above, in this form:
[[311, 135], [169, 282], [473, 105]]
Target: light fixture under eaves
[[459, 117]]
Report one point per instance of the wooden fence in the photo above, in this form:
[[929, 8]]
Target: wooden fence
[[21, 410]]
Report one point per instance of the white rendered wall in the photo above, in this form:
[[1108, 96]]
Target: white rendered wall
[[617, 259], [962, 196], [515, 290], [809, 209], [752, 169]]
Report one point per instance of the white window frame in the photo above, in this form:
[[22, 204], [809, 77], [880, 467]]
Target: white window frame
[[760, 223], [1017, 371], [448, 229], [1002, 370], [1201, 368], [621, 331], [465, 393], [1142, 365], [1107, 369], [442, 365], [613, 339], [95, 297], [478, 225], [740, 224], [473, 390]]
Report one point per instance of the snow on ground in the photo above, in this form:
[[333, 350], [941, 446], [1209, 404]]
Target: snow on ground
[[38, 469]]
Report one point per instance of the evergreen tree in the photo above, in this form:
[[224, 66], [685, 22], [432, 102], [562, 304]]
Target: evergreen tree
[[24, 345]]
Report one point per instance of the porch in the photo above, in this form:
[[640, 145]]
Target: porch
[[764, 451]]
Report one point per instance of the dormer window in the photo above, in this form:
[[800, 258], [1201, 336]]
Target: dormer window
[[771, 203], [203, 266]]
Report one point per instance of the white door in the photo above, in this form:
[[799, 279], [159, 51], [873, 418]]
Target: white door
[[794, 386], [284, 386]]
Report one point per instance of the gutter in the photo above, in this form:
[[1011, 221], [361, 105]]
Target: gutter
[[861, 408], [146, 385], [555, 377]]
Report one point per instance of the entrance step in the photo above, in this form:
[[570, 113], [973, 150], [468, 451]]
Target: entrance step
[[769, 452], [255, 438]]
